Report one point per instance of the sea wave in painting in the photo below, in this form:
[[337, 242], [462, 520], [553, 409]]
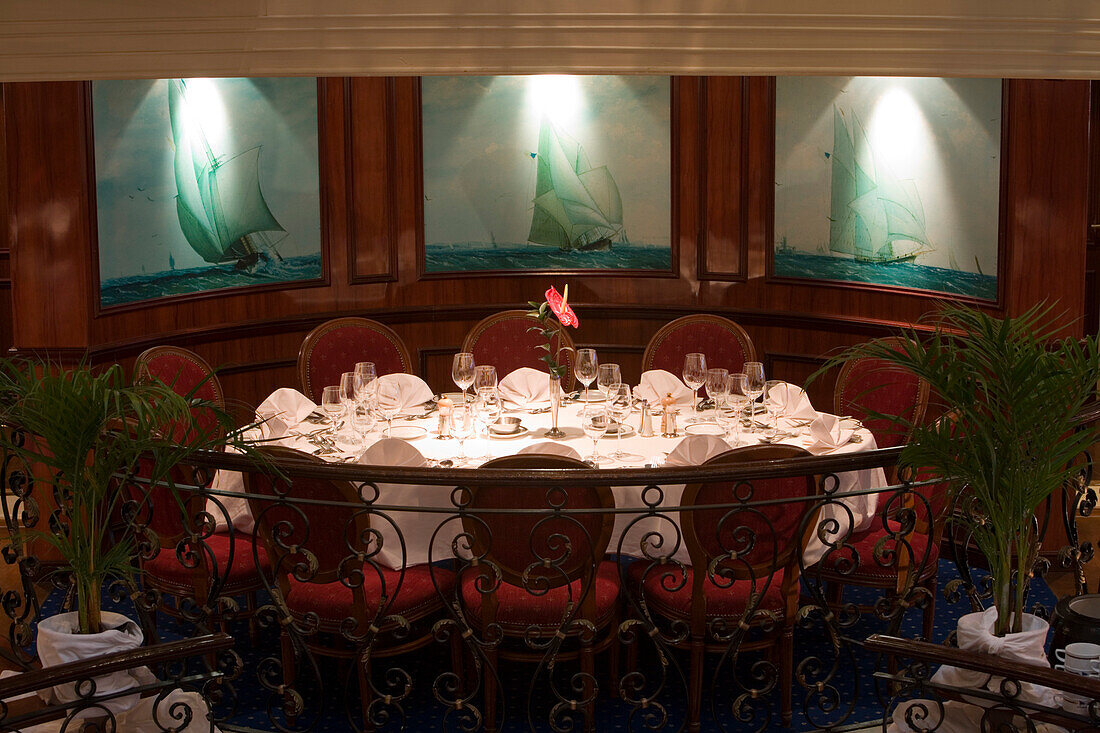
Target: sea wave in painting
[[122, 290], [483, 256], [794, 263]]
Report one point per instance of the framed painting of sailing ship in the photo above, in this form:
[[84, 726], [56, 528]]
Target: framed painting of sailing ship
[[205, 185], [889, 183], [546, 174]]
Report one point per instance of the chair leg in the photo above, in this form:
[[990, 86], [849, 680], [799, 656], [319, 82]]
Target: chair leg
[[490, 684], [786, 673], [613, 652], [250, 603], [930, 611], [695, 684], [364, 693], [834, 594], [289, 706], [588, 689], [458, 665]]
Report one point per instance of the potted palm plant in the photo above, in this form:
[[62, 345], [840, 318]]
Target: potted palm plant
[[1011, 393], [88, 435]]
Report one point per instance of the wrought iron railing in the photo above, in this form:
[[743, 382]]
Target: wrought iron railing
[[449, 666]]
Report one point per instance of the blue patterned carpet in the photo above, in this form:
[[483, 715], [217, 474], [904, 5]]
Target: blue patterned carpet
[[850, 695]]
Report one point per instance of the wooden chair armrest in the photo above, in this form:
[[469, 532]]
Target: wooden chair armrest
[[992, 664]]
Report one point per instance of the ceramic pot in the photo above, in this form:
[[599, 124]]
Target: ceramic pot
[[1075, 618]]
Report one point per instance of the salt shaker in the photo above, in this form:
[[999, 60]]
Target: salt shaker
[[645, 427], [668, 416], [445, 408]]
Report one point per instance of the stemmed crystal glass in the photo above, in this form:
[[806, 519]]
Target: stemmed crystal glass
[[736, 400], [390, 406], [619, 405], [585, 370], [462, 372], [607, 375], [695, 376], [754, 388], [347, 399], [718, 386], [365, 384], [484, 376], [595, 423], [462, 427], [769, 404], [332, 405], [487, 408]]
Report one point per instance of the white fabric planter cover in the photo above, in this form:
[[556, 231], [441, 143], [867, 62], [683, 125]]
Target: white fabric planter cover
[[975, 633]]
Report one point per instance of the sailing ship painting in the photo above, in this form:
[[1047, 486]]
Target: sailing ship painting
[[546, 173], [189, 177], [889, 182]]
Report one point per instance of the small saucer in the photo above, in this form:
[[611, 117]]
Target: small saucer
[[626, 431], [508, 436], [405, 432], [704, 428]]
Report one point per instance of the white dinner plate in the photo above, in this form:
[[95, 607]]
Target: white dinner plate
[[704, 428], [594, 396], [627, 430], [406, 432]]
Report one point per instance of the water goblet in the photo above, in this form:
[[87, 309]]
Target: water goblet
[[585, 370], [728, 418], [331, 405], [347, 399], [619, 405], [695, 376], [484, 376], [487, 408], [389, 405], [365, 384], [718, 386], [771, 400], [462, 372], [607, 375], [595, 423], [461, 428], [754, 385]]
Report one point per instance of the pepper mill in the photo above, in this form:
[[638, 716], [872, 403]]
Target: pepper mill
[[645, 427], [445, 408]]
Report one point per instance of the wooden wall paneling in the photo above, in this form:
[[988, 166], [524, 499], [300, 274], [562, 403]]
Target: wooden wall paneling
[[5, 237], [722, 155], [50, 261], [1047, 201], [371, 160], [1092, 240], [796, 369]]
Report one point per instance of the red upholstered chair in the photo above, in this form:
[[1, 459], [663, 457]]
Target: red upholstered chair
[[336, 346], [533, 597], [503, 340], [725, 344], [871, 385], [224, 563], [766, 543], [313, 550]]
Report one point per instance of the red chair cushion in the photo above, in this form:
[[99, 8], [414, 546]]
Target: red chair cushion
[[897, 395], [338, 350], [870, 570], [332, 602], [508, 345], [721, 602], [243, 572], [518, 608], [722, 349], [183, 375]]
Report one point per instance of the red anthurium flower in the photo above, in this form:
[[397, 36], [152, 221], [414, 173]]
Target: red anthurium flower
[[561, 309]]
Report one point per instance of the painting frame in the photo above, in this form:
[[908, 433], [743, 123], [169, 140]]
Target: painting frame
[[324, 279], [672, 272], [1003, 177]]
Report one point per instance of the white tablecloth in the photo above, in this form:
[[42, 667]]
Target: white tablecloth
[[653, 450]]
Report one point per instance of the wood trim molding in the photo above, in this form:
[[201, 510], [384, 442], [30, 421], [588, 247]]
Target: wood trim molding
[[75, 40]]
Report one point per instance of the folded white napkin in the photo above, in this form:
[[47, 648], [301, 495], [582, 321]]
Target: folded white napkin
[[283, 408], [552, 448], [791, 401], [525, 386], [402, 391], [392, 452], [656, 383], [827, 434], [694, 450]]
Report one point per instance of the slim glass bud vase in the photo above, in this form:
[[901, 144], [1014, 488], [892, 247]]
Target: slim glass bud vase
[[555, 403]]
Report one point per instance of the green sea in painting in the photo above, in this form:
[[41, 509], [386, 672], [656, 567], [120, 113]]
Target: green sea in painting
[[483, 256], [796, 263]]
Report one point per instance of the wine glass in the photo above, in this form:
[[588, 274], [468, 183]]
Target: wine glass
[[607, 375], [736, 400], [484, 376], [347, 399], [728, 417], [770, 404], [585, 370], [718, 386], [619, 405], [754, 387], [390, 406], [487, 408], [462, 426], [695, 376], [462, 372], [595, 423], [331, 405]]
